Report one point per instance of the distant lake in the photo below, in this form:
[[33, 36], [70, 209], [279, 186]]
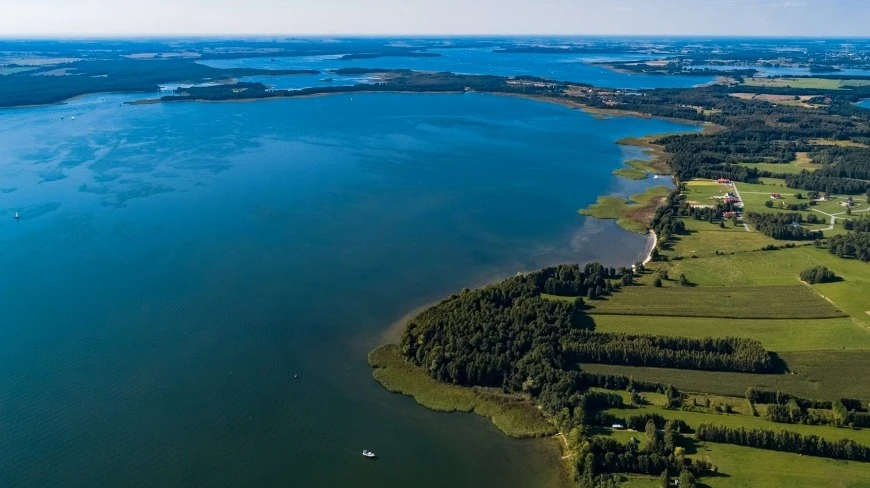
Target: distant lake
[[176, 264], [562, 67]]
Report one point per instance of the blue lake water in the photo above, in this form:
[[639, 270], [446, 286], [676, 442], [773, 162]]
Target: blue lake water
[[176, 264], [563, 67]]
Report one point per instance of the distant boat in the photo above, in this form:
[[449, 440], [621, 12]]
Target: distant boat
[[73, 117], [17, 216], [369, 454], [61, 117]]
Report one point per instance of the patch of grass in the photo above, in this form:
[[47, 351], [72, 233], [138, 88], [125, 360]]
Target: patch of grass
[[834, 142], [631, 173], [515, 416], [774, 335], [824, 375], [634, 214], [802, 162], [559, 298], [725, 302]]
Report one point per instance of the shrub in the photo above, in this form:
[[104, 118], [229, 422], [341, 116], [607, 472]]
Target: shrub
[[818, 274]]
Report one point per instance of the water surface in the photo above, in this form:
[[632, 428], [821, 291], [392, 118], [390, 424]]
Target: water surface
[[176, 265]]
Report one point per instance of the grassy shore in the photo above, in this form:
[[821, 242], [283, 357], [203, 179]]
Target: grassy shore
[[634, 214], [515, 416]]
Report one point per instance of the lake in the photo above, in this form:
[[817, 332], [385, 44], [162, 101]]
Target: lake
[[175, 265], [563, 67]]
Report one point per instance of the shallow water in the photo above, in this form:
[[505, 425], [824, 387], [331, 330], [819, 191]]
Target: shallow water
[[175, 265]]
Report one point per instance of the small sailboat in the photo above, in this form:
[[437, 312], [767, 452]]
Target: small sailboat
[[17, 216], [368, 454]]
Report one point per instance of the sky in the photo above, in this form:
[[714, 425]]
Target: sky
[[434, 17]]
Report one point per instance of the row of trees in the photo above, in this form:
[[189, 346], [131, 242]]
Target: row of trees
[[784, 441], [721, 354], [839, 415], [785, 226], [822, 181]]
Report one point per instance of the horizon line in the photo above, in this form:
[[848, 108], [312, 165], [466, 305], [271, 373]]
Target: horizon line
[[90, 36]]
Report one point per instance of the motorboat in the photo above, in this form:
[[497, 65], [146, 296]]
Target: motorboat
[[368, 454]]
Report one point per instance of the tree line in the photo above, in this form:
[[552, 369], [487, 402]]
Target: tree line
[[783, 226], [719, 354], [784, 441]]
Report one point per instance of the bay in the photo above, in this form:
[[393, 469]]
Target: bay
[[175, 265]]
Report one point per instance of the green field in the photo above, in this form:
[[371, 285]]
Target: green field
[[744, 467], [801, 163], [757, 302], [517, 417], [775, 335], [705, 239], [705, 192], [814, 374], [633, 214], [820, 83]]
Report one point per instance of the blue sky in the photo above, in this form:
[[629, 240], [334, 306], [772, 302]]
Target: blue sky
[[381, 17]]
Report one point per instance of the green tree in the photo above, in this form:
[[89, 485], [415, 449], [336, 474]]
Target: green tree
[[683, 280], [657, 283], [663, 479], [687, 480]]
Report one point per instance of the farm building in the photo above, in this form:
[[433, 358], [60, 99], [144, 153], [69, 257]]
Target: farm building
[[617, 426], [732, 200], [729, 214], [723, 181], [775, 196]]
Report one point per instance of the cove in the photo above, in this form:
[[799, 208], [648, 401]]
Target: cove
[[176, 265]]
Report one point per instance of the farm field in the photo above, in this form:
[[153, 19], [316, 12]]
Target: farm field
[[761, 302], [820, 83], [783, 267]]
